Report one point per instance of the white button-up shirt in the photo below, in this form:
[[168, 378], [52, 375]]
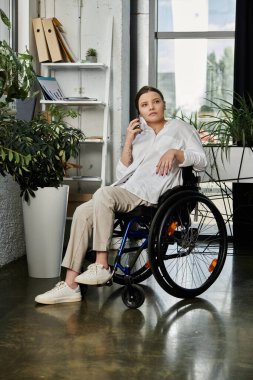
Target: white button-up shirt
[[140, 177]]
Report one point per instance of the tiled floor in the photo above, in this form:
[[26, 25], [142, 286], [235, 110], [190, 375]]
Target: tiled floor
[[209, 338]]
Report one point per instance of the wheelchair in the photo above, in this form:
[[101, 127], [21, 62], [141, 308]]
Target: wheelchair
[[182, 242]]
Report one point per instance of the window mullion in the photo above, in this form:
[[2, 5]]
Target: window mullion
[[195, 35]]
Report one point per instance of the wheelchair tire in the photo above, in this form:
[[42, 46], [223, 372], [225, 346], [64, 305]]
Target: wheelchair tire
[[133, 296], [187, 244]]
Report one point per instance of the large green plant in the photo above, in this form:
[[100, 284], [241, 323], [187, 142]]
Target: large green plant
[[45, 146]]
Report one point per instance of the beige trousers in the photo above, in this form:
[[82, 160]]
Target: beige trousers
[[95, 219]]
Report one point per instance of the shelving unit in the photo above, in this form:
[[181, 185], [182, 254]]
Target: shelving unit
[[81, 79], [85, 77]]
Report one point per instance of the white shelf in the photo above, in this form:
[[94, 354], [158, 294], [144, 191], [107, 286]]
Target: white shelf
[[92, 141], [74, 66], [74, 102], [83, 179]]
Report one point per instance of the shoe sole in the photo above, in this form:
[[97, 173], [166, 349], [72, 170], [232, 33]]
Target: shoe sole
[[61, 300], [87, 282]]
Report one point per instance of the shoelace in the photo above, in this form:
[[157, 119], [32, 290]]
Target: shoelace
[[59, 285], [93, 267]]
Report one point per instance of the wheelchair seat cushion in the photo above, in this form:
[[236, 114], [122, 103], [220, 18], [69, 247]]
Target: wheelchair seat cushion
[[140, 211]]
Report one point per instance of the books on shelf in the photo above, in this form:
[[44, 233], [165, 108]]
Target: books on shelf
[[50, 41], [50, 88], [52, 91]]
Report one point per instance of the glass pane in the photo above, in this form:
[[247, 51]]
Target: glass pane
[[191, 71], [4, 32], [196, 15]]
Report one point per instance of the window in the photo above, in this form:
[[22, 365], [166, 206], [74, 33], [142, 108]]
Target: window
[[4, 33], [9, 7], [195, 52]]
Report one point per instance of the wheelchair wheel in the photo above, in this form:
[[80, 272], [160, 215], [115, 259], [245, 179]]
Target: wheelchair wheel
[[134, 257], [187, 245], [133, 296]]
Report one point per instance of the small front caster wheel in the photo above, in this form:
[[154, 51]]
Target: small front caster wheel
[[133, 296]]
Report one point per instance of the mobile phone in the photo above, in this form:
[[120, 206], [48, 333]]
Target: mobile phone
[[142, 122], [137, 126]]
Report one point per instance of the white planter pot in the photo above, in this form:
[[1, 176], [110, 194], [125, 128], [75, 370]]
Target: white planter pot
[[236, 167], [91, 59], [44, 222]]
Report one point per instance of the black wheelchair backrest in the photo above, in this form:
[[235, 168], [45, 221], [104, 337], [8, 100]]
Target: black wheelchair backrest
[[189, 178]]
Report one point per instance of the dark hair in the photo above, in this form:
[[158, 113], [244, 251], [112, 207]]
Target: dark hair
[[144, 90]]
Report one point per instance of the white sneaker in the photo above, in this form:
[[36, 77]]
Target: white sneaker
[[60, 293], [95, 274]]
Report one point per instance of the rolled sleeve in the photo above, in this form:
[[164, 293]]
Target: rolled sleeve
[[195, 159]]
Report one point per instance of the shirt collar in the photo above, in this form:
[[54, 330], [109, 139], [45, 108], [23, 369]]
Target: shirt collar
[[146, 127]]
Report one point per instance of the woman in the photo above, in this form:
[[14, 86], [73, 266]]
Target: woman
[[150, 162]]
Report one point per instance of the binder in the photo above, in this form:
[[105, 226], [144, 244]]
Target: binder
[[52, 41], [68, 55], [40, 40]]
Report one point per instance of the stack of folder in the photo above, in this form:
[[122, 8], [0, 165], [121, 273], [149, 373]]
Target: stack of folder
[[50, 41]]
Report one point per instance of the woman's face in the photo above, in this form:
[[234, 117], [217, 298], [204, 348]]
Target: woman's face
[[151, 107]]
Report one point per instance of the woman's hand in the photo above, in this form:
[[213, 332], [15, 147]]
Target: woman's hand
[[133, 130], [166, 161]]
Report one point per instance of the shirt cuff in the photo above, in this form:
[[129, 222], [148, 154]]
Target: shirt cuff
[[191, 158]]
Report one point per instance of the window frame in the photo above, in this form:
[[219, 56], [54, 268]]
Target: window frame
[[155, 36]]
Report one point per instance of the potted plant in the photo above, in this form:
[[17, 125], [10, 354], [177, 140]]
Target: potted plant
[[232, 126], [233, 122], [35, 154], [91, 55]]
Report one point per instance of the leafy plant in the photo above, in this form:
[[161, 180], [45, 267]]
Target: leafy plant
[[16, 79], [35, 152], [91, 52], [233, 123], [17, 75], [5, 19]]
